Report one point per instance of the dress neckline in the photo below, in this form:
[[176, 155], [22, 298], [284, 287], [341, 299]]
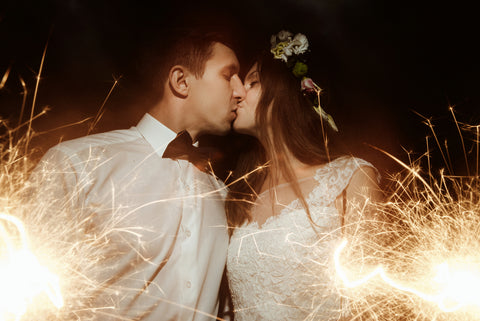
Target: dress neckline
[[256, 225], [287, 183], [314, 175]]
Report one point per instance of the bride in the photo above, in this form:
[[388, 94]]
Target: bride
[[291, 201]]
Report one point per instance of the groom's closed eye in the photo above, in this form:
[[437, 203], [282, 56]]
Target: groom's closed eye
[[229, 71]]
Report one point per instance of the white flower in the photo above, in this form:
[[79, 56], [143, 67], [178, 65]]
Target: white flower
[[300, 44], [288, 49], [273, 41], [284, 46], [284, 35]]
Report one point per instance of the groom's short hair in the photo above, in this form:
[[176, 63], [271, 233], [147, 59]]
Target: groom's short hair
[[188, 48]]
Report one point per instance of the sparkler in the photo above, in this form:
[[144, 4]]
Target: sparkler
[[31, 280], [418, 258], [458, 287], [21, 275], [61, 287]]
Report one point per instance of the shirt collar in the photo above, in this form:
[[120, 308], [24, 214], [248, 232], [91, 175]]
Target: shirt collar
[[155, 133]]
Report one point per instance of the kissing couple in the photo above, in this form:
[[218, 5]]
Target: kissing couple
[[171, 227]]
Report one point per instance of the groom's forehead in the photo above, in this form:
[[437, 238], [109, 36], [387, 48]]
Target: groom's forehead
[[224, 57]]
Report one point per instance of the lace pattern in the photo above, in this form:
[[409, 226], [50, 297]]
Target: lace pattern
[[283, 269]]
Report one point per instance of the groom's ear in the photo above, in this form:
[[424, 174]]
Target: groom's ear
[[179, 81]]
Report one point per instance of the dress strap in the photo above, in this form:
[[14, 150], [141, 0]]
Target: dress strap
[[335, 176]]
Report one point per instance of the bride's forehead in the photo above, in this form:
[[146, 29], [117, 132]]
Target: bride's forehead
[[253, 69]]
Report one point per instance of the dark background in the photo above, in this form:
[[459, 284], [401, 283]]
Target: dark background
[[379, 62]]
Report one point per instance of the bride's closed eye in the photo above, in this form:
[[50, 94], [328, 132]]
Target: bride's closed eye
[[251, 80], [250, 84]]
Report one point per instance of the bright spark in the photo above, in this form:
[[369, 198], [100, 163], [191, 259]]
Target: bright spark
[[22, 277], [4, 78], [458, 288]]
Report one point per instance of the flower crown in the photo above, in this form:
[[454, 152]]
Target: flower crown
[[292, 52]]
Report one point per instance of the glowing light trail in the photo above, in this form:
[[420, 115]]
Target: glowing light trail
[[458, 288], [22, 277]]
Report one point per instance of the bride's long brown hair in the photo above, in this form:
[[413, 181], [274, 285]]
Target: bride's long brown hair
[[287, 125]]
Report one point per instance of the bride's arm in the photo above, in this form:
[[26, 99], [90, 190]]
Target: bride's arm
[[357, 202]]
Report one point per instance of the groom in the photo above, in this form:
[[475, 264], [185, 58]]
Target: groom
[[146, 191]]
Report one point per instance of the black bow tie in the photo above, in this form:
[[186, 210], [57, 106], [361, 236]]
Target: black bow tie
[[182, 148]]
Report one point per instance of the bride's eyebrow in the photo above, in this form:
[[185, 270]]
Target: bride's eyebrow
[[251, 75]]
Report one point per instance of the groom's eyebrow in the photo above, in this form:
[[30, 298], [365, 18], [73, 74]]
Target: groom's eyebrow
[[233, 69]]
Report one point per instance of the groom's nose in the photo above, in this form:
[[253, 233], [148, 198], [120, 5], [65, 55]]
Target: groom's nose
[[239, 91]]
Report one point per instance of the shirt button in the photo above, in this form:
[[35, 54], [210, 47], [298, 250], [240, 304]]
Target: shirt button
[[188, 233], [189, 284]]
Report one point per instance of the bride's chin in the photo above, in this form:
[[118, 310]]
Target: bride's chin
[[244, 131], [236, 126]]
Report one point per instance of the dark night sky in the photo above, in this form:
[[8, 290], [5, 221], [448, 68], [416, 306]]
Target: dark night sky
[[378, 61]]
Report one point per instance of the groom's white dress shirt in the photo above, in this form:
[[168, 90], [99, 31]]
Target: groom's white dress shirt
[[163, 222]]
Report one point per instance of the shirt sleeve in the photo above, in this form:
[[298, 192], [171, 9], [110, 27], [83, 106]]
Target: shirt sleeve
[[53, 186]]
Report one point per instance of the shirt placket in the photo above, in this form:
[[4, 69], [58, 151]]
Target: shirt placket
[[191, 212]]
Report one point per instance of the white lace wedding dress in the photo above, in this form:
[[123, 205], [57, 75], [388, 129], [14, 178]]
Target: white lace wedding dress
[[283, 269]]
